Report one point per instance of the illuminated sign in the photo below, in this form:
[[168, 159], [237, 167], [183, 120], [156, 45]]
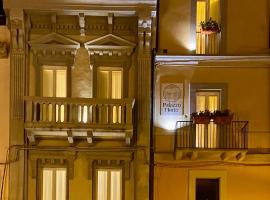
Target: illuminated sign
[[171, 98]]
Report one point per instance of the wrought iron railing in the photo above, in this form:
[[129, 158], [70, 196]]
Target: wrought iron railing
[[212, 136]]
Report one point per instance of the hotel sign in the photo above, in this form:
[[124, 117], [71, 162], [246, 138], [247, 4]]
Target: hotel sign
[[171, 98]]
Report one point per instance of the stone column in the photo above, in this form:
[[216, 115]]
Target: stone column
[[17, 92], [143, 104]]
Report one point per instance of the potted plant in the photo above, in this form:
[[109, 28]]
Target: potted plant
[[202, 117], [222, 116], [209, 27]]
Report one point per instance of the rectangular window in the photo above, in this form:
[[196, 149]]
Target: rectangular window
[[54, 184], [110, 86], [109, 184], [109, 83], [54, 84], [54, 81], [206, 135], [207, 189], [207, 43]]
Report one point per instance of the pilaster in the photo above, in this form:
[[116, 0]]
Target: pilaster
[[143, 103], [17, 86]]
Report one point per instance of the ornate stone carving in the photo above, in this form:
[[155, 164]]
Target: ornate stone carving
[[110, 45], [50, 158], [3, 50]]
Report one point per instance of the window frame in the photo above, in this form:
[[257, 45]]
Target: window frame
[[208, 174], [54, 68], [97, 167], [110, 69], [41, 166], [197, 87]]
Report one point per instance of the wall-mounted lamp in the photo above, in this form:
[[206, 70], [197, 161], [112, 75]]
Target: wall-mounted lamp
[[2, 14]]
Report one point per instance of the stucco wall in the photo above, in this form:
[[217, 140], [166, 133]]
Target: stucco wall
[[243, 183], [244, 32], [4, 101], [248, 98]]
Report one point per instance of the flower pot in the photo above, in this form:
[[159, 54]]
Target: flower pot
[[223, 120], [208, 32], [201, 119]]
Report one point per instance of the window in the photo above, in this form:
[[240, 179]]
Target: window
[[109, 84], [54, 81], [207, 184], [109, 184], [206, 135], [206, 9], [54, 184], [54, 84], [207, 189]]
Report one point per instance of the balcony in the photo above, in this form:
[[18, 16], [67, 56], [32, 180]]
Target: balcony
[[79, 117], [223, 141], [208, 44]]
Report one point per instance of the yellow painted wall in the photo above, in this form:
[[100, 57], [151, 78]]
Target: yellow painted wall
[[243, 183], [4, 102], [174, 26], [248, 97], [245, 26], [247, 31]]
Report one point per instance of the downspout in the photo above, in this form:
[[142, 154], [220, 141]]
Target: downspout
[[152, 92]]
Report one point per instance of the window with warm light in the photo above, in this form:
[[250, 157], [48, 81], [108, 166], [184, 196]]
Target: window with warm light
[[108, 184], [110, 86], [54, 184], [207, 100], [207, 43], [54, 84]]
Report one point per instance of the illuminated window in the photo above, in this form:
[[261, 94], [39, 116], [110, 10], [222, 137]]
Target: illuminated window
[[54, 184], [54, 81], [207, 100], [109, 84], [206, 9], [109, 184], [54, 84]]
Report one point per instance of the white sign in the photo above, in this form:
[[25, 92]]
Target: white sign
[[171, 98]]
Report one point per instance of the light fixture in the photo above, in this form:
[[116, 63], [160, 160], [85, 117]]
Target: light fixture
[[2, 14]]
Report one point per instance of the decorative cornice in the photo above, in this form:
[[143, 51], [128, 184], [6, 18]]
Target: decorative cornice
[[111, 45], [53, 44]]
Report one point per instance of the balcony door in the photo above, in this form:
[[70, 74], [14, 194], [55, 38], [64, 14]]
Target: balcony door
[[54, 84], [206, 135], [110, 86], [206, 9]]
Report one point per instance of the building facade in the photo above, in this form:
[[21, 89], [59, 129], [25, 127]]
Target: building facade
[[213, 55], [79, 99], [85, 86]]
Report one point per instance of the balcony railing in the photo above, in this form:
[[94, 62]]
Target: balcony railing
[[79, 113], [211, 136], [208, 44]]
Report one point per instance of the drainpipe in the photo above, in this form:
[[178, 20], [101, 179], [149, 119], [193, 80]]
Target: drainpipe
[[152, 148]]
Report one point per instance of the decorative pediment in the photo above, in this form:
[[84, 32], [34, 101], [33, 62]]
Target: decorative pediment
[[110, 45], [54, 42]]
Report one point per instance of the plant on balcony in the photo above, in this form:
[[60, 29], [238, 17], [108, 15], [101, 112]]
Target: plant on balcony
[[209, 27], [223, 117], [202, 117]]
